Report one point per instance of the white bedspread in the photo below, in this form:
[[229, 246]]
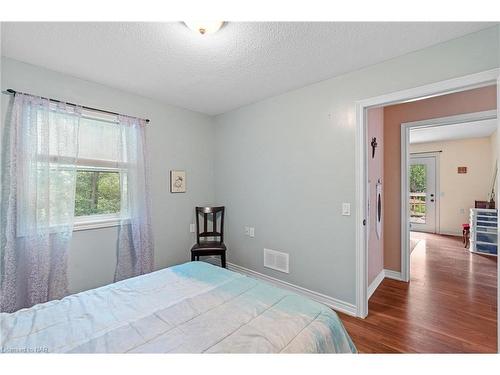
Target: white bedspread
[[191, 308]]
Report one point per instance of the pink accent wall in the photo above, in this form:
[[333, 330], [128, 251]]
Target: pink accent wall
[[375, 172], [476, 100]]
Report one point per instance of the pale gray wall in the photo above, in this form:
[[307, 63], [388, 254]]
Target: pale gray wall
[[286, 164], [177, 139], [283, 165]]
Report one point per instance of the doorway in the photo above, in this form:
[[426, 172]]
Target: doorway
[[423, 197], [420, 203], [455, 85]]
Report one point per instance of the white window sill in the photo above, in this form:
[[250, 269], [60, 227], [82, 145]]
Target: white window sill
[[96, 224]]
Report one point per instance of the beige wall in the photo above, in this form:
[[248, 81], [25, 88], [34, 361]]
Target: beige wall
[[459, 191], [375, 173], [481, 99]]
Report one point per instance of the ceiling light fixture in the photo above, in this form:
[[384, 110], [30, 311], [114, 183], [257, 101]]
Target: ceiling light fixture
[[204, 27]]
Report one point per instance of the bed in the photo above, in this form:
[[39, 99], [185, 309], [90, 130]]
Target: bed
[[190, 308]]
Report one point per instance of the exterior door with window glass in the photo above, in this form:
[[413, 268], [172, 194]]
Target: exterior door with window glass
[[423, 195]]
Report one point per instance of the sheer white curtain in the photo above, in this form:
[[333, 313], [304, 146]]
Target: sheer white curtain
[[135, 239], [37, 209]]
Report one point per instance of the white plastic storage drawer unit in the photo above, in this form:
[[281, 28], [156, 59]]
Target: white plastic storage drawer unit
[[483, 231]]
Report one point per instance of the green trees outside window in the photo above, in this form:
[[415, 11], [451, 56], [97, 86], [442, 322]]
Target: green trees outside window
[[417, 178], [417, 191], [97, 192]]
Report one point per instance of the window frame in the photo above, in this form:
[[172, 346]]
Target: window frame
[[96, 221], [88, 222]]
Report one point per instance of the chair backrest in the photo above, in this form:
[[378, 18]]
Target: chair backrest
[[205, 212]]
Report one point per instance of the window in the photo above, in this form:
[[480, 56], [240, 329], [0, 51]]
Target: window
[[99, 144], [101, 173], [97, 192]]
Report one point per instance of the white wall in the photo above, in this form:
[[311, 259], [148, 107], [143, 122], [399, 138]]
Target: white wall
[[459, 191], [177, 139], [286, 164]]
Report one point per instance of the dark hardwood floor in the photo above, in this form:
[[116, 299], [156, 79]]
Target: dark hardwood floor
[[449, 306]]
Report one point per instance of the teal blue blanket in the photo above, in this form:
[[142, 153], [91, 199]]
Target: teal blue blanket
[[191, 308]]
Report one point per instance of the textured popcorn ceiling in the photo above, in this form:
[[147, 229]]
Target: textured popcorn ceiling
[[241, 64]]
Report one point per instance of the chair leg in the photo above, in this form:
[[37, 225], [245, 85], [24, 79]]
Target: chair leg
[[192, 257], [223, 260]]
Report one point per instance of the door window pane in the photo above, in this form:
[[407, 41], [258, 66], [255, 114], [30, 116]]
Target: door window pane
[[418, 187]]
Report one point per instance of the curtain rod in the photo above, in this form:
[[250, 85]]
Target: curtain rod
[[13, 92]]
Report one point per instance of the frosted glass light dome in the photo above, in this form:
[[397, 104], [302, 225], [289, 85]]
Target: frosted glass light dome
[[204, 27]]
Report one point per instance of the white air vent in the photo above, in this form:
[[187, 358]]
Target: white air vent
[[276, 260]]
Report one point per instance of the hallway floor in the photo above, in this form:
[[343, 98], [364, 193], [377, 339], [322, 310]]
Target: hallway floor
[[449, 306]]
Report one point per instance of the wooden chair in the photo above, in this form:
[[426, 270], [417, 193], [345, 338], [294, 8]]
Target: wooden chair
[[203, 246]]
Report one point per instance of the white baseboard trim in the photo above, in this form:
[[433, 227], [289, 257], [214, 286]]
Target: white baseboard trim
[[375, 283], [334, 303], [395, 275]]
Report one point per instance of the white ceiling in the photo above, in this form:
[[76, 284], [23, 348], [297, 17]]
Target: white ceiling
[[473, 129], [241, 64]]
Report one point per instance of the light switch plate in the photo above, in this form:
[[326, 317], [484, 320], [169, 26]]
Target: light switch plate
[[247, 231], [346, 209], [251, 232]]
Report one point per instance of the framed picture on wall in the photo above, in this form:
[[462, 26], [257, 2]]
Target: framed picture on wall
[[177, 181]]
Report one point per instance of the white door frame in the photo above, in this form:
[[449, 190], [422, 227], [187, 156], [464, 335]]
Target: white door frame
[[405, 163], [467, 82]]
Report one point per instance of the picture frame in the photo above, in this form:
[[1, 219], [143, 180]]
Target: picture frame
[[177, 181]]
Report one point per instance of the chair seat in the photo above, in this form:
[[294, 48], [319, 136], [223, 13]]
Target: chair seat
[[209, 246]]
